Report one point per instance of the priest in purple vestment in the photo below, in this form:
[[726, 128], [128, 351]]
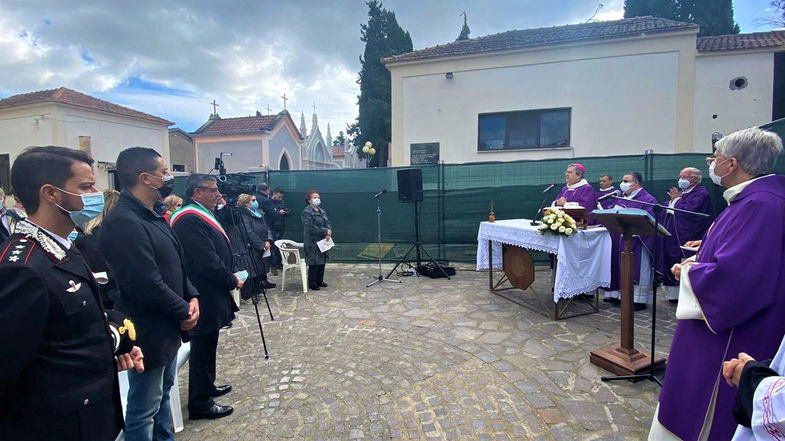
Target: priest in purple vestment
[[737, 284], [642, 247], [606, 188], [577, 190], [683, 227]]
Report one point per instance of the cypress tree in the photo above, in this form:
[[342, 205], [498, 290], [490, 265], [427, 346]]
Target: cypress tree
[[465, 31], [383, 37]]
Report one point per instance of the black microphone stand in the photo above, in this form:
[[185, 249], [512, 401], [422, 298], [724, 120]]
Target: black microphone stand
[[542, 204], [380, 278], [650, 375]]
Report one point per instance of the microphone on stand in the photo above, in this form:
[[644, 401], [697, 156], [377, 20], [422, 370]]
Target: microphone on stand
[[380, 193], [535, 221], [608, 196]]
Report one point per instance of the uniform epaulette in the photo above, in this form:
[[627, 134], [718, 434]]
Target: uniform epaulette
[[33, 233], [17, 251]]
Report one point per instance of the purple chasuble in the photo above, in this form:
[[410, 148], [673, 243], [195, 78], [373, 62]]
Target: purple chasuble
[[583, 195], [607, 203], [617, 244], [684, 228], [739, 282]]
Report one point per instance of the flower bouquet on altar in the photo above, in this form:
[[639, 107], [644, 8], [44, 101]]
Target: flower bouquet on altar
[[556, 222]]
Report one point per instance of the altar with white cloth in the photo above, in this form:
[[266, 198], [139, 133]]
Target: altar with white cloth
[[579, 263]]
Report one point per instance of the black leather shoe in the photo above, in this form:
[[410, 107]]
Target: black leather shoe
[[268, 285], [221, 391], [314, 288], [673, 301], [639, 306], [323, 285], [213, 413]]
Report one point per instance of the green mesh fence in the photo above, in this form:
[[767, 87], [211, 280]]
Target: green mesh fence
[[456, 199]]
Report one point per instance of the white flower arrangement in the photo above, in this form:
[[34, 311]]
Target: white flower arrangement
[[556, 222]]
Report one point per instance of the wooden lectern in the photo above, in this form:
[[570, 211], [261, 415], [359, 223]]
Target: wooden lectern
[[623, 358]]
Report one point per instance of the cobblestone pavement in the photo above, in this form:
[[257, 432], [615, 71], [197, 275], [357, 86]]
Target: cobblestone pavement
[[424, 360]]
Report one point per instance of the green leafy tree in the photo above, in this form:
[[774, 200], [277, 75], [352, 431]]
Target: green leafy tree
[[715, 17], [383, 37], [339, 140], [465, 31], [779, 9]]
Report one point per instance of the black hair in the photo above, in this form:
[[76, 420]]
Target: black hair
[[37, 166], [637, 176], [279, 190], [610, 178], [133, 161], [196, 180]]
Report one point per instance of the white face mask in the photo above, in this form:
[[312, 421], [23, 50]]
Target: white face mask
[[625, 186], [684, 184], [316, 202], [714, 178]]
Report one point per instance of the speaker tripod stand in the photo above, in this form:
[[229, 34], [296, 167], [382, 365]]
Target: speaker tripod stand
[[417, 248], [380, 278]]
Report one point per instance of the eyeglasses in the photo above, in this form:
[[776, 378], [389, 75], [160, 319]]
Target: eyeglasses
[[710, 159], [210, 189]]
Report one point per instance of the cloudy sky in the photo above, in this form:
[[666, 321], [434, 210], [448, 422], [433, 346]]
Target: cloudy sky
[[172, 58]]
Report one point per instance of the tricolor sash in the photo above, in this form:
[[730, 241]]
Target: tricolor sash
[[202, 213]]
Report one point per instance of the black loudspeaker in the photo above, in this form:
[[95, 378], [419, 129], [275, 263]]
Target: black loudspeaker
[[410, 185]]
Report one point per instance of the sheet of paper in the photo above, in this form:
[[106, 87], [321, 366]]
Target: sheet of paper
[[325, 244], [267, 253]]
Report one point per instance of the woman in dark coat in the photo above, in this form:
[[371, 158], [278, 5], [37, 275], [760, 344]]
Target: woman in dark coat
[[316, 226], [259, 241], [87, 243]]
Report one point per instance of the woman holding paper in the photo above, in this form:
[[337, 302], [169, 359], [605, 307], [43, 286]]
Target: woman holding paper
[[316, 228]]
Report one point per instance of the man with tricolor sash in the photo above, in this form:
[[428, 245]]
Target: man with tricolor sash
[[209, 263]]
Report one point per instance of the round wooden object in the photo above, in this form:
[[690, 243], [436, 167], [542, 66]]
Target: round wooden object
[[518, 266]]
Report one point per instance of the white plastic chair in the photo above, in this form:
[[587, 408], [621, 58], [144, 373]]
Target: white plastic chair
[[290, 257], [183, 354]]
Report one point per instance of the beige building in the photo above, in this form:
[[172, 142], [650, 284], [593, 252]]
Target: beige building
[[595, 89], [68, 118], [181, 151]]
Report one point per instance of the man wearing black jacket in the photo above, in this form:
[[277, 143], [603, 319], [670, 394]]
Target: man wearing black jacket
[[58, 376], [276, 221], [209, 262], [147, 260]]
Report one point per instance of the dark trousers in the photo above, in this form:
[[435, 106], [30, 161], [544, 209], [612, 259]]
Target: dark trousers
[[276, 255], [315, 275], [201, 372]]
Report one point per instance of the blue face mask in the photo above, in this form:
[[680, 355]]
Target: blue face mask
[[254, 205], [73, 235], [92, 206]]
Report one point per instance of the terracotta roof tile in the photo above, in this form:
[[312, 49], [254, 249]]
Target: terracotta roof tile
[[527, 38], [231, 126], [736, 42], [70, 97]]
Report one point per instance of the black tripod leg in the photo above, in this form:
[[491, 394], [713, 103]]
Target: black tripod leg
[[434, 262], [264, 293], [403, 260], [261, 330]]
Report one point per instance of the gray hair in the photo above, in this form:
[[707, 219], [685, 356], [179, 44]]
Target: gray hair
[[196, 180], [578, 170], [695, 173], [756, 150]]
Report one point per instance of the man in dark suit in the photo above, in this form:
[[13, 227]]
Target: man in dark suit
[[147, 260], [276, 221], [58, 379], [208, 258], [8, 218]]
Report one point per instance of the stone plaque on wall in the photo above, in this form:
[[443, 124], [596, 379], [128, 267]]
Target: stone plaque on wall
[[424, 153]]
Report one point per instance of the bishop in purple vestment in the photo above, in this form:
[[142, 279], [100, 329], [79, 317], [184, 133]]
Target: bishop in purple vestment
[[738, 282], [641, 246], [683, 227], [577, 190], [606, 188]]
